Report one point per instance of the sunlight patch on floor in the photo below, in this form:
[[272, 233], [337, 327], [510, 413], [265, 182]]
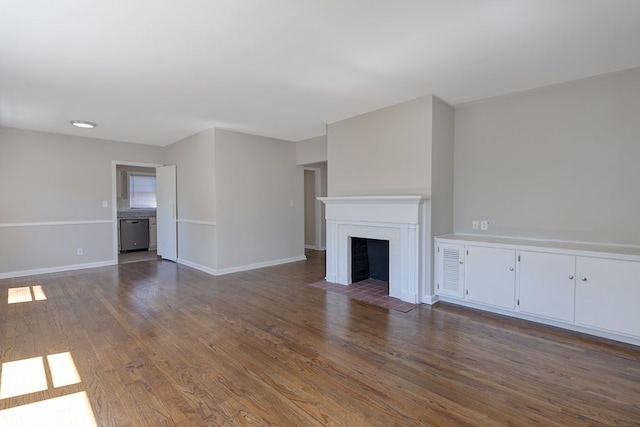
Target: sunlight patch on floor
[[27, 376], [63, 370], [23, 294], [70, 410], [38, 293], [22, 377], [17, 295]]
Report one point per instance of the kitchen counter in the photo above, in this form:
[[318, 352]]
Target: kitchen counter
[[137, 214]]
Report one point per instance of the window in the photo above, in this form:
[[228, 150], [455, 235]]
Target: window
[[142, 191]]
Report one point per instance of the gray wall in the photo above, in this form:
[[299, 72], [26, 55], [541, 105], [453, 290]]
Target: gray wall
[[560, 162], [384, 152], [312, 150], [404, 149], [196, 190], [49, 179], [442, 168], [54, 185], [256, 179]]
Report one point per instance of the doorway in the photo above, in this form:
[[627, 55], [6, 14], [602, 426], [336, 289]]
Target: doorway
[[315, 185], [135, 208]]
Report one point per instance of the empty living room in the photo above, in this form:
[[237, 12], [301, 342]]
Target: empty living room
[[358, 213]]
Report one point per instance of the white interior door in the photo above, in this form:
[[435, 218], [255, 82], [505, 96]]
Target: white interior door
[[166, 192]]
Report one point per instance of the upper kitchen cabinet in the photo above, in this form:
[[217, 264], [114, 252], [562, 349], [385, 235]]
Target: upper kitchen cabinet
[[122, 184]]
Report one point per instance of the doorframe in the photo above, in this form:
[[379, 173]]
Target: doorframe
[[114, 198], [317, 177]]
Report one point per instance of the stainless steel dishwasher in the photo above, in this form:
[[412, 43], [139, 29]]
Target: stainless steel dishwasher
[[134, 234]]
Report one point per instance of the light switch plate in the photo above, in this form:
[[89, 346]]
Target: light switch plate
[[475, 224], [105, 204], [484, 225]]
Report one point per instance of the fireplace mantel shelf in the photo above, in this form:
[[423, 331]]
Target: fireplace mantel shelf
[[373, 199]]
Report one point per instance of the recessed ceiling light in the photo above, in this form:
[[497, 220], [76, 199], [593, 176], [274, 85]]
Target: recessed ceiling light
[[82, 124]]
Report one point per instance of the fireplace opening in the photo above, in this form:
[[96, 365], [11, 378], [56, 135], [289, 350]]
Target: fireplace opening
[[369, 259]]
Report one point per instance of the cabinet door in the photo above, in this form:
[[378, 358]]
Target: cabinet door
[[153, 233], [608, 294], [450, 270], [547, 285], [122, 185], [490, 276]]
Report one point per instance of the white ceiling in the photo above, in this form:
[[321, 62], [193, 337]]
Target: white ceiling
[[156, 71]]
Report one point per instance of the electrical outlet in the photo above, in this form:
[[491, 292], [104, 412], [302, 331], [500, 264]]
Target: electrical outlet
[[475, 224], [484, 225], [79, 251]]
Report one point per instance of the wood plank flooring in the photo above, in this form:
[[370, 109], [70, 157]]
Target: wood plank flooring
[[156, 343]]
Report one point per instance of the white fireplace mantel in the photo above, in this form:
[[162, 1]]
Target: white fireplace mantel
[[402, 220]]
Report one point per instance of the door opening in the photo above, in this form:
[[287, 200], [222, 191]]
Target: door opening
[[138, 246]]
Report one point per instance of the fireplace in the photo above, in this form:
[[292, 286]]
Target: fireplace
[[399, 220], [369, 259]]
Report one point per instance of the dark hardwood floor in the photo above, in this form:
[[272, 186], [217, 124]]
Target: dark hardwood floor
[[155, 343]]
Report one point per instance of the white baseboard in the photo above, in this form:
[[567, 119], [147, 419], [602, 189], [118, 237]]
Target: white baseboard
[[57, 269], [314, 248], [246, 267], [409, 297], [430, 299], [542, 320], [197, 266]]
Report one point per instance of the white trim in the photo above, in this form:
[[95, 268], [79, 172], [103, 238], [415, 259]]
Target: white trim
[[197, 266], [260, 265], [193, 221], [138, 164], [413, 199], [57, 269], [53, 223], [542, 320], [430, 299], [568, 247], [538, 239], [221, 272]]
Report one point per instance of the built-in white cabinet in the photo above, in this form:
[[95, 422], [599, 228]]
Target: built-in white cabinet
[[491, 276], [547, 284], [588, 288], [449, 271], [608, 295]]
